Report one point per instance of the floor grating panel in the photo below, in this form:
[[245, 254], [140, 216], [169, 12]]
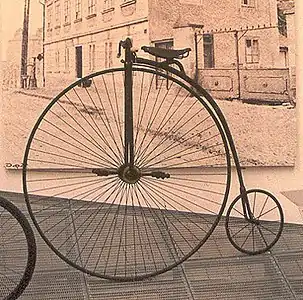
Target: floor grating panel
[[216, 271]]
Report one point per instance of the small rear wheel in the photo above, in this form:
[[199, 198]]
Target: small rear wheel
[[259, 234]]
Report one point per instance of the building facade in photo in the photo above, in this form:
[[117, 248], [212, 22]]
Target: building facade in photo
[[83, 35], [288, 40]]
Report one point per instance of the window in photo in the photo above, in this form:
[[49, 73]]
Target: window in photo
[[252, 51], [91, 58], [66, 11], [91, 7], [78, 9]]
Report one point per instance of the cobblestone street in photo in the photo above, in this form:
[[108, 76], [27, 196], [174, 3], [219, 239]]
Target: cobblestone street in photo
[[264, 135]]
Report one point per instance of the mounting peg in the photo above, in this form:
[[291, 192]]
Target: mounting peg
[[159, 174]]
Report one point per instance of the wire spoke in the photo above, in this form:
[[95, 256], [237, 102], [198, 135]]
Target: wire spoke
[[68, 151], [92, 140], [79, 133], [109, 127], [118, 113], [164, 222], [112, 226], [116, 190], [173, 214], [240, 230], [66, 157], [183, 199], [90, 125], [261, 234], [151, 122], [153, 212], [173, 177], [47, 179], [88, 206], [137, 127], [265, 213], [141, 118], [264, 204], [87, 151], [267, 229], [180, 141], [83, 196], [103, 219], [246, 239], [99, 132], [190, 161], [162, 126], [173, 128]]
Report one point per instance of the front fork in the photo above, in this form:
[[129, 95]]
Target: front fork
[[128, 102], [246, 207], [247, 212]]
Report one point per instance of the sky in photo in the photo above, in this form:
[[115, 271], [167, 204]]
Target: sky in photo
[[11, 17]]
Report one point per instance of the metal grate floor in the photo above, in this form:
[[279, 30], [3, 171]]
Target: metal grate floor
[[216, 271]]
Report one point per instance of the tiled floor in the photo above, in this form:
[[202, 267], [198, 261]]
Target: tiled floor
[[216, 271]]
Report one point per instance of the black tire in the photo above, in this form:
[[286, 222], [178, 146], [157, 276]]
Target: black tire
[[151, 225], [14, 278], [259, 237]]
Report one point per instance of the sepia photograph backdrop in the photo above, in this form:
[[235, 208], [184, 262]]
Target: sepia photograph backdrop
[[242, 53]]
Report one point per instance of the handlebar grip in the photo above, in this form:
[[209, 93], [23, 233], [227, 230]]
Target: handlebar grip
[[123, 44]]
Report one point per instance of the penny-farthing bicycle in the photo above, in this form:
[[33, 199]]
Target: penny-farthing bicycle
[[127, 172], [17, 251]]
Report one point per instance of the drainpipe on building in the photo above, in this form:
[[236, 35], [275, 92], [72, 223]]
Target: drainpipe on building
[[238, 64], [196, 42], [196, 57], [24, 45], [32, 78]]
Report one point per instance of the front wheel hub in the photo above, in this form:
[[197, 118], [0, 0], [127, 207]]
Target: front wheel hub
[[129, 174]]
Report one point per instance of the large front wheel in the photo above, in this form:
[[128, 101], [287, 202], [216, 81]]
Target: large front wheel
[[115, 220]]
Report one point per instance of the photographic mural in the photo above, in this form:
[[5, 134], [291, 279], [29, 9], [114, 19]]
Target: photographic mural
[[245, 60]]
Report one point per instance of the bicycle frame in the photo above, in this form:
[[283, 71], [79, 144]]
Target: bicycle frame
[[130, 60], [101, 152]]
